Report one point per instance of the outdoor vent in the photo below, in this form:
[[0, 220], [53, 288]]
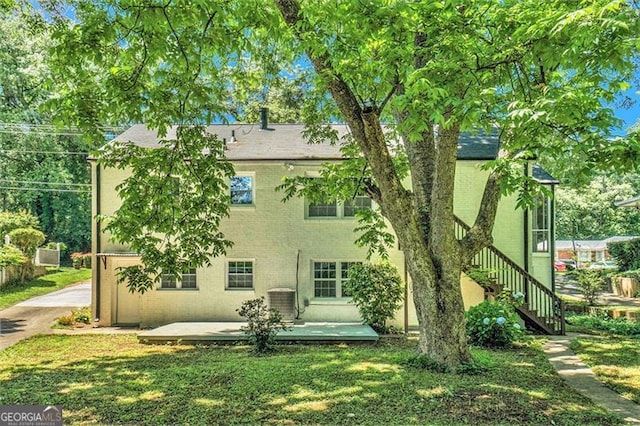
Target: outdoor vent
[[284, 300]]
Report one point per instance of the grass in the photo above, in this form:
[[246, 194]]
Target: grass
[[115, 380], [16, 293], [615, 361]]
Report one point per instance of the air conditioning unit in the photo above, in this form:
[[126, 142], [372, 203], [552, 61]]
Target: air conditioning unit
[[283, 300]]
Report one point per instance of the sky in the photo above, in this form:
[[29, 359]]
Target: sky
[[631, 114]]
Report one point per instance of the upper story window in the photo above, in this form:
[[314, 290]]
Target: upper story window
[[334, 209], [241, 190], [541, 225], [186, 280]]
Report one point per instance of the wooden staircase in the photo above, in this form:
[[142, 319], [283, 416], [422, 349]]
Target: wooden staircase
[[542, 309]]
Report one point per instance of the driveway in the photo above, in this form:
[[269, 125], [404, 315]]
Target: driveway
[[37, 315]]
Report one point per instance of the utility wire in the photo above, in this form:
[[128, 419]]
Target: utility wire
[[43, 183], [44, 189], [16, 151]]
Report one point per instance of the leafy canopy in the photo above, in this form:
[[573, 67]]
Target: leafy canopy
[[539, 72]]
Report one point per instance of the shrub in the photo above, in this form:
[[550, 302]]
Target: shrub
[[11, 256], [591, 284], [377, 291], [14, 220], [495, 323], [626, 253], [27, 240], [82, 315], [262, 323], [66, 320], [604, 323]]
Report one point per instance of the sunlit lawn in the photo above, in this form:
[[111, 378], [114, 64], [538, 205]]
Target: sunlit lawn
[[16, 293], [113, 379], [615, 360]]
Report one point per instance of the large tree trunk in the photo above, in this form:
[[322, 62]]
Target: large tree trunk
[[423, 218]]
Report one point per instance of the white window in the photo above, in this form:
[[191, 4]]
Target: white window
[[186, 280], [338, 210], [241, 190], [240, 274], [329, 278], [540, 225]]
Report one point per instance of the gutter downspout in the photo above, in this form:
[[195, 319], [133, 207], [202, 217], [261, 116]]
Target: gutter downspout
[[552, 236], [526, 242], [406, 296], [97, 228]]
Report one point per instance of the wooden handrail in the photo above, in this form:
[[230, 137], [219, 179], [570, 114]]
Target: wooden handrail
[[519, 279]]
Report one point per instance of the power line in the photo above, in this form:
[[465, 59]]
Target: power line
[[43, 183], [15, 151], [44, 189]]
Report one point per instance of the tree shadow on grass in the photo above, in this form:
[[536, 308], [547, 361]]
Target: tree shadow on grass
[[615, 361], [317, 385]]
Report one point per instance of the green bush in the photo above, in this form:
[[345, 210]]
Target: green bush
[[66, 320], [377, 291], [262, 323], [11, 256], [591, 283], [604, 323], [14, 220], [495, 323], [82, 315], [27, 240], [626, 253]]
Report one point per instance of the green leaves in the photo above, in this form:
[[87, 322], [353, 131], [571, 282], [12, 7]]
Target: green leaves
[[172, 203]]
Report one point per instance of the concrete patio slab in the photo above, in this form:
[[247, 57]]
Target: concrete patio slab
[[211, 332]]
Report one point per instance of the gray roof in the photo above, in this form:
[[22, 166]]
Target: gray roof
[[631, 202], [591, 244], [542, 176], [287, 142]]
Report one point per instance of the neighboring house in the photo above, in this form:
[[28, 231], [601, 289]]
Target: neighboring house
[[301, 251], [587, 251]]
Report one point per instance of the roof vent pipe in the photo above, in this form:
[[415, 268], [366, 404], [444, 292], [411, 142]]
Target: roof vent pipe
[[264, 118], [233, 137]]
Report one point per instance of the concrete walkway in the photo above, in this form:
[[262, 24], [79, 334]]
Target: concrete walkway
[[37, 315], [580, 377]]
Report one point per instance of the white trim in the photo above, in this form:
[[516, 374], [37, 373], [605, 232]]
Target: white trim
[[253, 274], [319, 300], [252, 205]]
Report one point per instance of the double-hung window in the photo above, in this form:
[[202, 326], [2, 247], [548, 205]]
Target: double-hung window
[[339, 210], [329, 278], [186, 280], [242, 190], [540, 225], [240, 274]]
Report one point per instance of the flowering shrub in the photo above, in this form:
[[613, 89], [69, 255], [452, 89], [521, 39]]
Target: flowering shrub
[[495, 323], [263, 323]]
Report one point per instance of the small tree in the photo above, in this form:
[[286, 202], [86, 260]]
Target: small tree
[[263, 323], [591, 284], [377, 291], [27, 240]]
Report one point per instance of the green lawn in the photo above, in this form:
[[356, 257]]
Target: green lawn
[[114, 379], [46, 284], [615, 360]]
